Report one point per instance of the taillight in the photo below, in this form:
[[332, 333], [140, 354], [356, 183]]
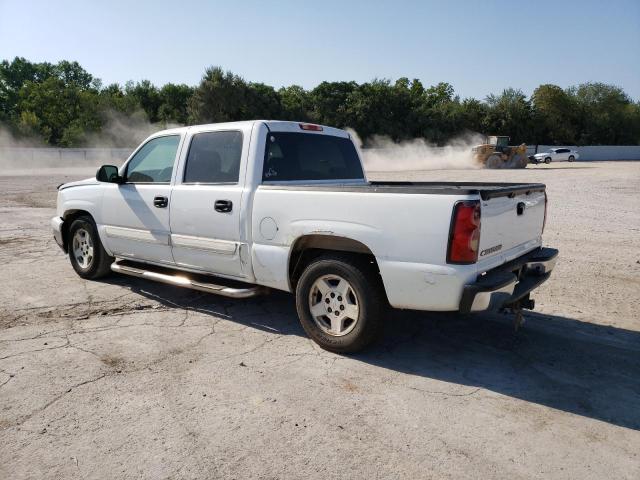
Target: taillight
[[464, 234], [544, 222], [310, 126]]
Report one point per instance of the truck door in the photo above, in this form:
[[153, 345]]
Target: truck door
[[135, 214], [206, 203]]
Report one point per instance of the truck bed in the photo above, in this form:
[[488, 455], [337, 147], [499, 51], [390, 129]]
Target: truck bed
[[486, 190]]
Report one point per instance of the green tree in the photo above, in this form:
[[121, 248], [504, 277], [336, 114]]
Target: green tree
[[295, 102], [220, 97], [13, 76], [607, 115], [439, 94], [58, 107], [147, 95], [173, 106], [472, 113], [262, 101], [329, 102], [440, 115], [113, 98], [29, 125], [510, 114], [379, 108], [554, 113], [73, 75], [65, 105]]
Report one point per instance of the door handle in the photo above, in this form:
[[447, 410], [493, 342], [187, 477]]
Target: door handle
[[224, 206], [160, 201]]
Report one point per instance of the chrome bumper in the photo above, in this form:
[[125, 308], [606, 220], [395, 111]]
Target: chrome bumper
[[542, 265], [56, 226], [509, 283]]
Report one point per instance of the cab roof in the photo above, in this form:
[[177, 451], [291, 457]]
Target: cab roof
[[272, 125]]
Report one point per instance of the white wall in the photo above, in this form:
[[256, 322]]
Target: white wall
[[595, 152]]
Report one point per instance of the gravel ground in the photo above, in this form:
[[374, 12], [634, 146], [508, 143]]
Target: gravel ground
[[127, 379]]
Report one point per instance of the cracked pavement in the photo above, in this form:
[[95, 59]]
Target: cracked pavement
[[124, 378]]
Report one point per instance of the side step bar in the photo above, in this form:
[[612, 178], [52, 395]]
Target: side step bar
[[179, 279]]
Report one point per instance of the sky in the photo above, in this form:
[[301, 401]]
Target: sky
[[480, 47]]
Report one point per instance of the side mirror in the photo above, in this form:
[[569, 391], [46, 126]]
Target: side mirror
[[108, 173]]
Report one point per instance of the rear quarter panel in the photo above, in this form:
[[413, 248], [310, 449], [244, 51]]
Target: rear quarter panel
[[407, 233]]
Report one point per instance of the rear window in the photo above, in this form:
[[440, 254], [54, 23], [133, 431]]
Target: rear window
[[305, 156]]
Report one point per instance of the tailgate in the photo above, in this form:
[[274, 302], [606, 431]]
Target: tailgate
[[511, 224]]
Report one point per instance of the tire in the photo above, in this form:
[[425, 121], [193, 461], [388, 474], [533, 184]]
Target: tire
[[86, 253], [493, 162], [571, 158], [547, 160], [320, 293], [519, 161]]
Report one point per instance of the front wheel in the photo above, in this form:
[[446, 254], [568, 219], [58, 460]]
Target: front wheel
[[340, 303], [494, 161], [86, 253], [547, 160]]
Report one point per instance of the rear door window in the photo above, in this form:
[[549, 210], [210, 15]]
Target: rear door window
[[214, 157], [304, 156]]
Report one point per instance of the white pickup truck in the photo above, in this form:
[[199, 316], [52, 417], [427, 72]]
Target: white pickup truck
[[239, 208]]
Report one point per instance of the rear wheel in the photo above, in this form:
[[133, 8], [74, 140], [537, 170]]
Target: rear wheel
[[547, 160], [571, 158], [86, 253], [518, 161], [340, 303]]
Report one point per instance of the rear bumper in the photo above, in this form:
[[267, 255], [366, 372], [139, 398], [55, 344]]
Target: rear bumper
[[56, 227], [509, 283]]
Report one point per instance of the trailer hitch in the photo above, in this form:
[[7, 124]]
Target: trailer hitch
[[525, 303]]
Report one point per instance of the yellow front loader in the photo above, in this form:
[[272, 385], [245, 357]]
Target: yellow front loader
[[497, 153]]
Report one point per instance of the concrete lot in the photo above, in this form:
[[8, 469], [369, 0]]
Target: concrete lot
[[128, 379]]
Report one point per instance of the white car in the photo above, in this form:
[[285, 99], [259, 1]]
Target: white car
[[555, 155], [236, 209]]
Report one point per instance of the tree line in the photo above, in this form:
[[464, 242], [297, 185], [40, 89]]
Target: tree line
[[64, 105]]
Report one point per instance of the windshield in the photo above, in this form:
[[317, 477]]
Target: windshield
[[502, 141], [305, 156]]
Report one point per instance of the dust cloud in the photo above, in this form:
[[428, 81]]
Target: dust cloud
[[8, 140], [118, 131], [122, 133], [381, 154], [118, 137], [125, 131]]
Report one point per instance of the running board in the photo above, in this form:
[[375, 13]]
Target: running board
[[180, 279]]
